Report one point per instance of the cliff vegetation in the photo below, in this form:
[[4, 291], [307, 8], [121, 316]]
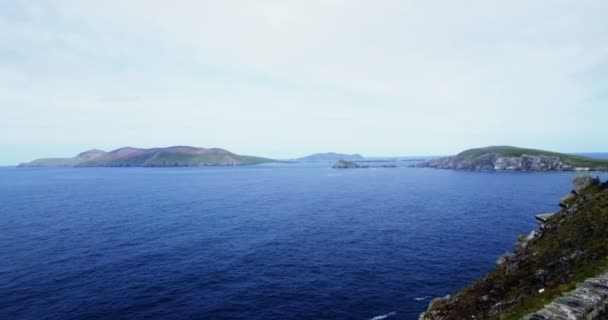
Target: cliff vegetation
[[568, 247]]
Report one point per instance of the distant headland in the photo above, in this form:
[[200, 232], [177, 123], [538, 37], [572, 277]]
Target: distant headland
[[176, 156], [516, 159], [332, 156]]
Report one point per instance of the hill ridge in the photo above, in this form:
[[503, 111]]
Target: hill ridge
[[173, 156], [515, 159]]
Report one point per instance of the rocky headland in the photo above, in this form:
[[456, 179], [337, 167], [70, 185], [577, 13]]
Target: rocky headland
[[178, 156], [558, 271], [515, 159]]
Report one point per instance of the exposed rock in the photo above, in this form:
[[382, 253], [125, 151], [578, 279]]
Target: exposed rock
[[492, 162], [523, 241], [504, 258], [515, 159], [583, 182], [565, 201], [435, 304], [587, 301], [579, 184], [543, 217]]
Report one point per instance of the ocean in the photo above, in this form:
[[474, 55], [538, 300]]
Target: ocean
[[278, 241]]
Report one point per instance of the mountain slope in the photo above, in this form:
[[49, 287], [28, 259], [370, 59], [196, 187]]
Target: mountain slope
[[178, 156], [515, 159]]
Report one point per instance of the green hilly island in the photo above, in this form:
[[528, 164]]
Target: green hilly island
[[516, 159], [177, 156]]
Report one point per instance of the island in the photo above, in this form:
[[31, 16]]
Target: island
[[343, 164], [176, 156], [332, 156], [515, 159]]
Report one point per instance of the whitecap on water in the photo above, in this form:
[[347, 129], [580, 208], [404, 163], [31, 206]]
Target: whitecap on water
[[384, 316], [422, 298]]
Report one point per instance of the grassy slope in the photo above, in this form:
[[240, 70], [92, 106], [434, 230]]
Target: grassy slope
[[168, 158], [255, 160], [204, 159], [572, 247], [578, 161]]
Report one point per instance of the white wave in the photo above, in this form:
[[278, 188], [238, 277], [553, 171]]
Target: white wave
[[384, 316], [422, 298]]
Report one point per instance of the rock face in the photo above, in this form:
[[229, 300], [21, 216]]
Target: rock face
[[587, 301], [492, 162], [579, 184], [582, 182], [543, 217], [179, 156], [546, 265], [515, 159]]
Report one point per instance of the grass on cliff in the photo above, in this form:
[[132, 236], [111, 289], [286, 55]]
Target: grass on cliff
[[508, 151], [536, 303], [572, 247]]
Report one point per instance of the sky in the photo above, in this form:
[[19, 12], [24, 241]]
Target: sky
[[283, 79]]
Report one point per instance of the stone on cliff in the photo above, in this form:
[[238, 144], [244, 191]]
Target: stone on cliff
[[583, 182], [504, 258], [543, 217], [587, 301], [565, 201]]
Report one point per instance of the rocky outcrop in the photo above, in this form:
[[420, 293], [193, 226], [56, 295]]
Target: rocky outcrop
[[492, 162], [544, 217], [565, 201], [579, 184], [546, 265], [583, 182], [586, 302], [516, 159]]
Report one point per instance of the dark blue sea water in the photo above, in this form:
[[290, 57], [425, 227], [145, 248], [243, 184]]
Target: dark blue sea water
[[288, 241]]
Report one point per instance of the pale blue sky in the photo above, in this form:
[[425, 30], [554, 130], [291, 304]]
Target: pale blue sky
[[288, 78]]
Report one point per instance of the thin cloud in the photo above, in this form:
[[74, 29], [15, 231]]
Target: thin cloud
[[435, 76]]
